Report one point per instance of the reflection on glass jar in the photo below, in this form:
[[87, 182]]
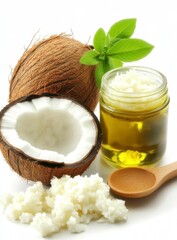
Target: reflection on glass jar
[[133, 114]]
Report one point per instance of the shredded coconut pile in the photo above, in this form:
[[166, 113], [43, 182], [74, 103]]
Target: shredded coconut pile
[[69, 203], [133, 82]]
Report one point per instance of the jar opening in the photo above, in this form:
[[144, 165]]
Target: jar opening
[[134, 81], [134, 88]]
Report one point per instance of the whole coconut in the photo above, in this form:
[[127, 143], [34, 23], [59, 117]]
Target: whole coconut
[[52, 66]]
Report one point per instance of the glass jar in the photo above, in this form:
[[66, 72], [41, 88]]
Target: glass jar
[[133, 114]]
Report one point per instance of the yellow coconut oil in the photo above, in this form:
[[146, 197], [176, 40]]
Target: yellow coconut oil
[[133, 114]]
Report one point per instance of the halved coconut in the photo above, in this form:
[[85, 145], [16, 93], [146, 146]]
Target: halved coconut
[[42, 136]]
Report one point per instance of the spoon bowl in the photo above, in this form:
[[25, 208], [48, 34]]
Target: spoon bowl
[[136, 182]]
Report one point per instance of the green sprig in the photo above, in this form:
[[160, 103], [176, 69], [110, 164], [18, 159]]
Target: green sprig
[[111, 50]]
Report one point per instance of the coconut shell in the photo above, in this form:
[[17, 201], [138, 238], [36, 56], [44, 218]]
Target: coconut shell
[[52, 66], [42, 170]]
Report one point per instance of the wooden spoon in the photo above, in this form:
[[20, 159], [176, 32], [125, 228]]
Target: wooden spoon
[[137, 182]]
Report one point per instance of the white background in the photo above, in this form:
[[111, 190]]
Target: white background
[[154, 217]]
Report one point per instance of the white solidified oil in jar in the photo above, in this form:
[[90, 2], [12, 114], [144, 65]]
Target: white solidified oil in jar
[[133, 82], [133, 115]]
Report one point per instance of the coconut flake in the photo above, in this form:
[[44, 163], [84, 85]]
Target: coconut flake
[[69, 203]]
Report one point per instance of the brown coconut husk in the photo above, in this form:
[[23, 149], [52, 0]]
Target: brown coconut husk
[[38, 170], [52, 66]]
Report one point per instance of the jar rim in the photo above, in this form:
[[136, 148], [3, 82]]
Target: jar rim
[[123, 94]]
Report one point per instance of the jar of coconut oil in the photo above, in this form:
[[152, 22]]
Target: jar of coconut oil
[[133, 114]]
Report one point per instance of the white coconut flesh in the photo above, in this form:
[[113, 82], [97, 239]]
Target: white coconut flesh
[[52, 129]]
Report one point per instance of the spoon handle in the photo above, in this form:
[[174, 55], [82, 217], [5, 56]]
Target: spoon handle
[[166, 173]]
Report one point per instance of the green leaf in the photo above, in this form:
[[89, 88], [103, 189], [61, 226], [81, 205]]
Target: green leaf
[[128, 50], [112, 42], [101, 69], [99, 40], [111, 50], [122, 29], [90, 58], [114, 62]]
